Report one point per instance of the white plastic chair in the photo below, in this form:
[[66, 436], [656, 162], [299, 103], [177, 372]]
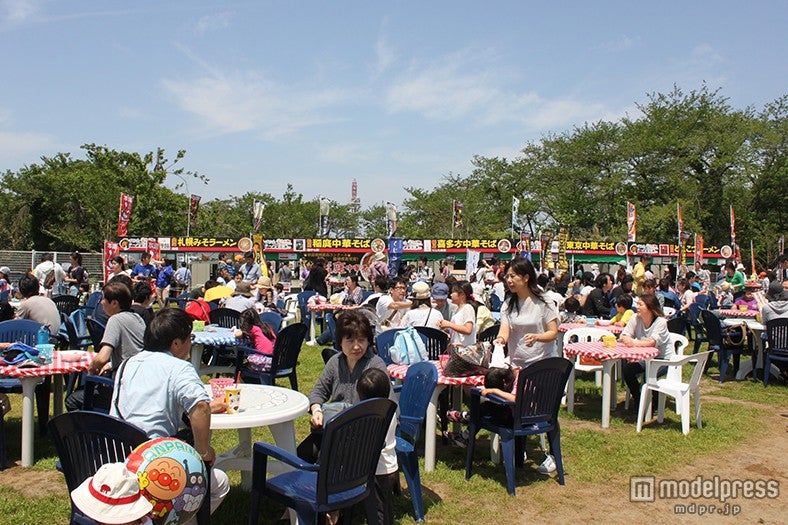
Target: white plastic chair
[[680, 343], [577, 335], [679, 390]]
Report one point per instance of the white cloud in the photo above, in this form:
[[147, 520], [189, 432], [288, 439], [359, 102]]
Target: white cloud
[[20, 10], [213, 22], [231, 103], [22, 144], [705, 54]]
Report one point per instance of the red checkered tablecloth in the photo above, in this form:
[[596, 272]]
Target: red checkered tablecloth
[[613, 329], [736, 313], [62, 363], [399, 371], [597, 350], [328, 306]]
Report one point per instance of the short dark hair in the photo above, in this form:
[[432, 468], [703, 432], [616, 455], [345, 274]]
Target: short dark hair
[[397, 280], [500, 378], [117, 291], [166, 326], [123, 279], [141, 292], [572, 305], [601, 279], [145, 255], [624, 300], [249, 255], [28, 285], [373, 382], [353, 324], [353, 277], [382, 282]]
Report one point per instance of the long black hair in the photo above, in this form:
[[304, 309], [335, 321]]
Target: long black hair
[[522, 267], [250, 318]]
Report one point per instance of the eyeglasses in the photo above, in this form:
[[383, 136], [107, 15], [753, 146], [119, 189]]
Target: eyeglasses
[[400, 287]]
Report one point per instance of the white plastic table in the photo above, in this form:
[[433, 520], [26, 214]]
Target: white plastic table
[[750, 364], [261, 405]]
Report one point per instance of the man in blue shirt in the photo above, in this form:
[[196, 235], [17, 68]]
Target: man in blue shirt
[[144, 269], [250, 269]]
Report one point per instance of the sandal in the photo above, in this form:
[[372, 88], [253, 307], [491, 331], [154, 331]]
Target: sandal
[[458, 417]]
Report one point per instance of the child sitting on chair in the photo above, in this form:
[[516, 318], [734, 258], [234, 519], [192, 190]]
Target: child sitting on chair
[[112, 496]]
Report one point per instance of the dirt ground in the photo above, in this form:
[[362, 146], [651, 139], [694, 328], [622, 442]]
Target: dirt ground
[[764, 457]]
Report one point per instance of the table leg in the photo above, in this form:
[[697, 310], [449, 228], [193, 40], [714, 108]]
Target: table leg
[[196, 356], [613, 388], [429, 430], [57, 394], [28, 418], [245, 451], [607, 366], [312, 329]]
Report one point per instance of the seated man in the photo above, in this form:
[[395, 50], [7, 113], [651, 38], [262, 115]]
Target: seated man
[[597, 303], [37, 307], [123, 338], [154, 388]]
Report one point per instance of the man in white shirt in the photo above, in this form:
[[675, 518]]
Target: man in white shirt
[[392, 307], [47, 265]]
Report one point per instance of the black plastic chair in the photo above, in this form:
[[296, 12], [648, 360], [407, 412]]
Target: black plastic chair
[[677, 325], [93, 384], [540, 388], [344, 474], [283, 362], [272, 319], [26, 331], [225, 317], [181, 299], [66, 304], [417, 389], [695, 323], [777, 345], [715, 334], [96, 331], [86, 440], [489, 334], [435, 340]]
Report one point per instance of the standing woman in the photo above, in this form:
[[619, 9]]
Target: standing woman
[[529, 323], [463, 322], [77, 275], [647, 328], [118, 266]]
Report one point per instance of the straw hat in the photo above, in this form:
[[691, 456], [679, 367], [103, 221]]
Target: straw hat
[[420, 290], [112, 495], [218, 292], [264, 283]]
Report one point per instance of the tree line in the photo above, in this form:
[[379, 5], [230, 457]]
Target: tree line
[[691, 148]]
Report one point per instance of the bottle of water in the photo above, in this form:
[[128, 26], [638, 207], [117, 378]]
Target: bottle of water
[[43, 335]]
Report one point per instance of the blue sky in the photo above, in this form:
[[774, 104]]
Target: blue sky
[[393, 94]]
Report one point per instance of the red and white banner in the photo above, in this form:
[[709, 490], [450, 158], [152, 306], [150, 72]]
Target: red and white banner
[[632, 224], [733, 235], [124, 214], [111, 250], [699, 248], [194, 206], [154, 249]]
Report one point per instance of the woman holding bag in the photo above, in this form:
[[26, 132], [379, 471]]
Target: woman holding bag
[[529, 324]]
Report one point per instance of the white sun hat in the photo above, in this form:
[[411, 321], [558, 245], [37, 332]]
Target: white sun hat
[[112, 495]]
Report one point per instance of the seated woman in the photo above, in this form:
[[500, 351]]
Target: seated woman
[[337, 382], [647, 328], [421, 312]]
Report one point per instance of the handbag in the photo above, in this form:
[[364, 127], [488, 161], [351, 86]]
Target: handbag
[[466, 361], [735, 335]]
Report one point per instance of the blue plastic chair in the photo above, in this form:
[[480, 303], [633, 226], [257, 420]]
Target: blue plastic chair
[[96, 331], [93, 300], [435, 340], [417, 390], [303, 299], [777, 348], [79, 323], [26, 331], [272, 319], [92, 384], [694, 323], [284, 361], [714, 332], [344, 474], [86, 440], [540, 388], [383, 342], [495, 303]]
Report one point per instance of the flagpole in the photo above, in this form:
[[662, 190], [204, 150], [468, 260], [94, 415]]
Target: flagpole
[[453, 211]]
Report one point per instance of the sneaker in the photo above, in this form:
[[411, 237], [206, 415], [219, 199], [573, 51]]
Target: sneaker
[[458, 417], [311, 343], [457, 439], [547, 466]]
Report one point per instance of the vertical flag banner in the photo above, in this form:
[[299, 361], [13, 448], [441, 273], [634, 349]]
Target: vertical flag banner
[[259, 256], [111, 250], [396, 247], [457, 220], [544, 249], [257, 214], [124, 214], [563, 240], [515, 214], [525, 244], [733, 234], [391, 219], [781, 244], [699, 248], [154, 249], [471, 263], [194, 206], [325, 209], [632, 225]]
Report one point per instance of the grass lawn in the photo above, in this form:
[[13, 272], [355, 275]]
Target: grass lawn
[[593, 457]]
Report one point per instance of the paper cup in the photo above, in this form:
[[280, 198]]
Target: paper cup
[[218, 384], [198, 326], [232, 396], [45, 353], [743, 307]]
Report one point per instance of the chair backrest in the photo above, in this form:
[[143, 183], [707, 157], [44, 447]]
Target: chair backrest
[[365, 295], [182, 299], [435, 340], [417, 389], [777, 335], [677, 325], [351, 445], [79, 322], [693, 314], [93, 300], [713, 327], [697, 360], [71, 332], [66, 303], [287, 348], [383, 343], [679, 343], [272, 319], [495, 303], [540, 387], [225, 317], [96, 331], [86, 440], [303, 299], [489, 334], [577, 335], [19, 330], [703, 300], [92, 384]]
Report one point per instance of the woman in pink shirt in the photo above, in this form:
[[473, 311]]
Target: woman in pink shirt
[[261, 336]]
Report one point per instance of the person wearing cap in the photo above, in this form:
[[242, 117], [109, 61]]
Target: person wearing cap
[[112, 496], [734, 277], [250, 269], [144, 270], [242, 298], [421, 312], [440, 299], [154, 388]]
